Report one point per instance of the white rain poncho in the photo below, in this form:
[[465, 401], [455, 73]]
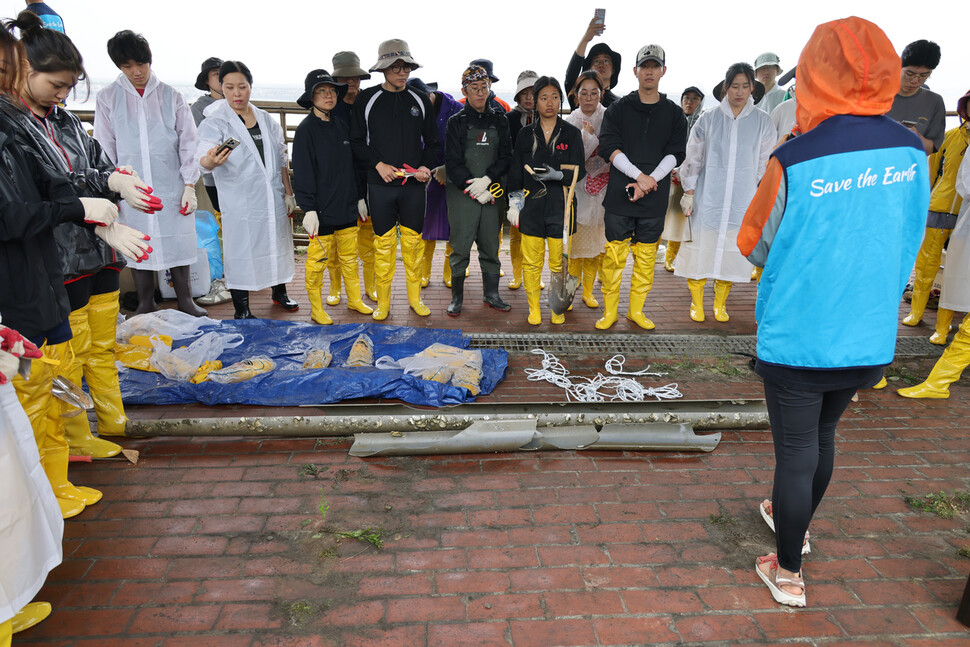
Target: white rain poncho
[[956, 274], [31, 528], [726, 158], [589, 240], [154, 134], [257, 240]]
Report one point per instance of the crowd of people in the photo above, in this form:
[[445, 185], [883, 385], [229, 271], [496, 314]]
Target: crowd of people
[[735, 191]]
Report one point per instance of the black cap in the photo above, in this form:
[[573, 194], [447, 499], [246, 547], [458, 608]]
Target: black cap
[[315, 78], [418, 84], [487, 64], [209, 64], [696, 90]]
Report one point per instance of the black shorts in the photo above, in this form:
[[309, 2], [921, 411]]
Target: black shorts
[[646, 229], [391, 204]]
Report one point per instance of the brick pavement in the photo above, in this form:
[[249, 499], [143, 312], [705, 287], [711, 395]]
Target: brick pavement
[[221, 542]]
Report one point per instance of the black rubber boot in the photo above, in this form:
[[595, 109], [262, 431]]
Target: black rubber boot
[[457, 295], [183, 292], [145, 287], [283, 301], [491, 298], [240, 299]]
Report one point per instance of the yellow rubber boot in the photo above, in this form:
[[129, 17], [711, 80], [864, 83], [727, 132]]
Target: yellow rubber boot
[[365, 252], [316, 261], [426, 262], [696, 287], [927, 265], [881, 384], [533, 254], [345, 242], [555, 267], [385, 259], [614, 260], [644, 263], [333, 266], [31, 615], [591, 267], [673, 247], [515, 256], [6, 631], [100, 370], [756, 274], [44, 412], [947, 370], [721, 291], [501, 234], [446, 273], [944, 318], [77, 429], [412, 250]]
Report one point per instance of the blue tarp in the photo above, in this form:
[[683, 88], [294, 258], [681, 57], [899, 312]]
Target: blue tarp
[[289, 384]]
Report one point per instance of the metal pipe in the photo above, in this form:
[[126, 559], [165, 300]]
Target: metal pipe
[[347, 420]]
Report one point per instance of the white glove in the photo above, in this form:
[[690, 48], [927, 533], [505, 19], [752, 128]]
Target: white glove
[[9, 365], [290, 201], [126, 240], [311, 224], [687, 204], [362, 208], [133, 191], [513, 214], [486, 198], [99, 211], [477, 186], [189, 201]]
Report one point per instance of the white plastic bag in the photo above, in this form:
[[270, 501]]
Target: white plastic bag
[[183, 363], [174, 323]]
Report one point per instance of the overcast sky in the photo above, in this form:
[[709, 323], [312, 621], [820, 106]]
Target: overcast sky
[[282, 41]]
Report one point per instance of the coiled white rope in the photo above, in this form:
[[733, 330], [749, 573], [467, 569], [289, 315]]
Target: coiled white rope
[[601, 388]]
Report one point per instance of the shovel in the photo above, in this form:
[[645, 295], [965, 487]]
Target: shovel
[[563, 284]]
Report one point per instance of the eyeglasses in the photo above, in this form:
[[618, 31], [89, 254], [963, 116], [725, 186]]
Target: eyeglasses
[[469, 89], [914, 76], [601, 61], [400, 68]]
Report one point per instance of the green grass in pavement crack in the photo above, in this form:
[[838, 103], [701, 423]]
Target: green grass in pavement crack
[[939, 503], [896, 372], [308, 470], [371, 535], [722, 517]]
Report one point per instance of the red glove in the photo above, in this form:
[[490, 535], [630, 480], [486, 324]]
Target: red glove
[[18, 345]]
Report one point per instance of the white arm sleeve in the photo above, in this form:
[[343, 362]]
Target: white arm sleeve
[[623, 164], [665, 166]]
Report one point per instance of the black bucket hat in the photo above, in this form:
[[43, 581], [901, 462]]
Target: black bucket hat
[[603, 48], [418, 84], [487, 64], [315, 78], [209, 64], [757, 94]]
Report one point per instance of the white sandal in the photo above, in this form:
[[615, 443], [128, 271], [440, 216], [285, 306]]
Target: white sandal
[[765, 508], [775, 583]]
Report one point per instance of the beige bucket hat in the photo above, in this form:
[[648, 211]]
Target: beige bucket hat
[[393, 50]]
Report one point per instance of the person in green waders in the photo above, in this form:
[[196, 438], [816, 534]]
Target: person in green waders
[[478, 149]]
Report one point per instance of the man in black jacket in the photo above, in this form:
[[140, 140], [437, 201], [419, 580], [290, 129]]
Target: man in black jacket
[[393, 129], [644, 136], [478, 148]]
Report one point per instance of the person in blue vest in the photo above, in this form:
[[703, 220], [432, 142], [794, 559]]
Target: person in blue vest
[[836, 224], [50, 18]]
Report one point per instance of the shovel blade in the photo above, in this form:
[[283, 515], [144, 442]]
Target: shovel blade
[[561, 291]]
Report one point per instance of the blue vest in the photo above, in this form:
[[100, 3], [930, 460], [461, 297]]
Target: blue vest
[[857, 191]]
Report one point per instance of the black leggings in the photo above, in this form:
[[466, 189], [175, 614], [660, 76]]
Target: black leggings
[[803, 428], [213, 196], [394, 203]]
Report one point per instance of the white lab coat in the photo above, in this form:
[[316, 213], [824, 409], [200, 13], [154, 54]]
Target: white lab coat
[[589, 241], [726, 158], [955, 294], [256, 234], [31, 527], [156, 135]]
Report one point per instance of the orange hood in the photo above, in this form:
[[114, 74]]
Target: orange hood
[[848, 67]]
